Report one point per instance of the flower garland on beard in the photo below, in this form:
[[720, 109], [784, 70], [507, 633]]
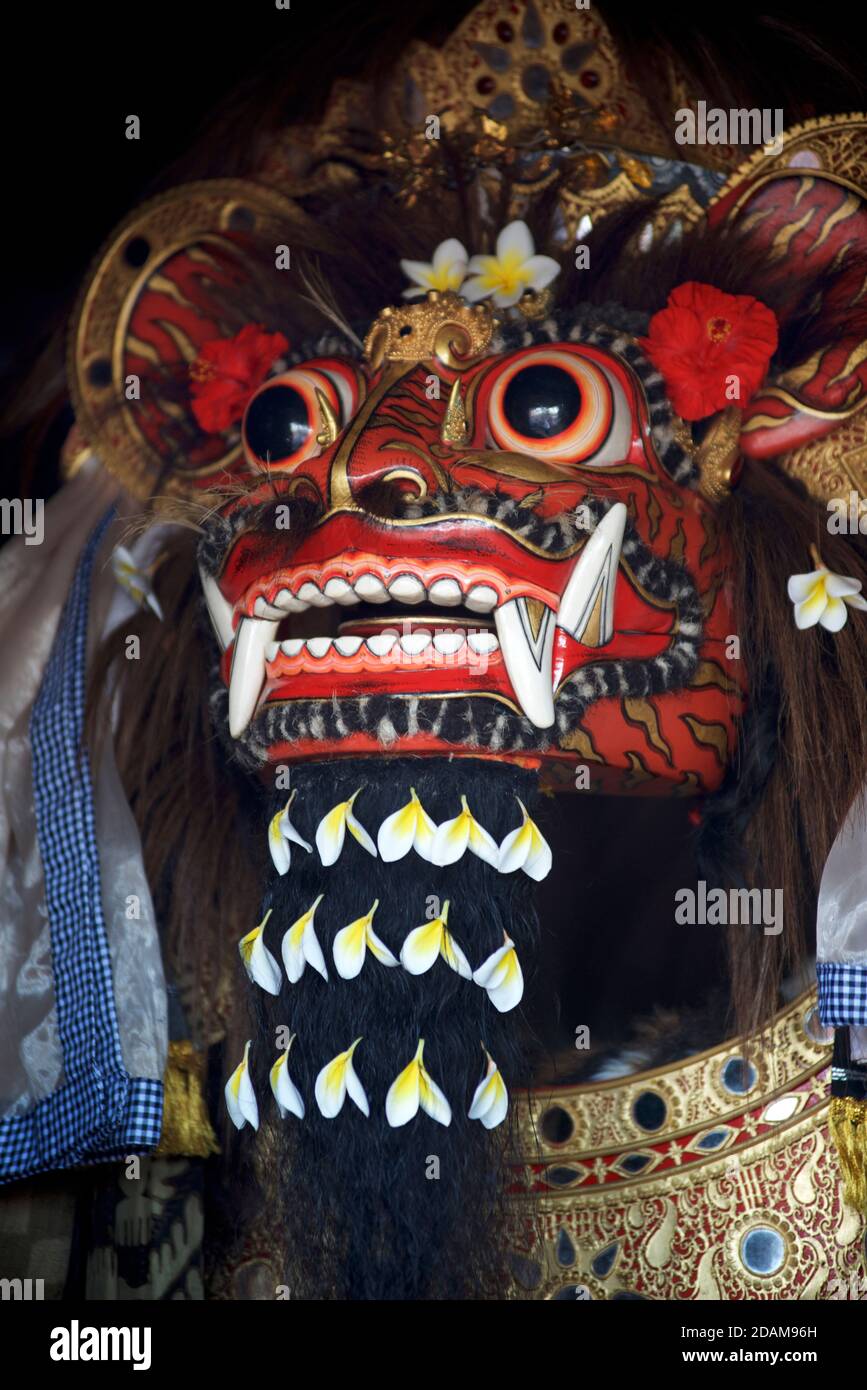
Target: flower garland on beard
[[360, 1207]]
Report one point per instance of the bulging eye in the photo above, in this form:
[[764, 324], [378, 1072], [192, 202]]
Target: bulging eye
[[292, 417], [557, 405]]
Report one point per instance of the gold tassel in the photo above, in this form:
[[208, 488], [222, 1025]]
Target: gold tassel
[[848, 1124], [187, 1131]]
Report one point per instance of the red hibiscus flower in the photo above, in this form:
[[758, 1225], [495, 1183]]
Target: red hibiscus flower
[[227, 371], [713, 349]]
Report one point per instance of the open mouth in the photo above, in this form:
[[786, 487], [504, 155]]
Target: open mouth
[[357, 624]]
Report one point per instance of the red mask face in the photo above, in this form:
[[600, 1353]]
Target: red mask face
[[490, 561]]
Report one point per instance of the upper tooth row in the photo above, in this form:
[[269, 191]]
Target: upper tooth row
[[405, 588], [382, 643]]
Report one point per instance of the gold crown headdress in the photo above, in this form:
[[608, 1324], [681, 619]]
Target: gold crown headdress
[[533, 98]]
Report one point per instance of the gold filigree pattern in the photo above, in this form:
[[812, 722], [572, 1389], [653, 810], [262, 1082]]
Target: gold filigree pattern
[[442, 326], [712, 1178]]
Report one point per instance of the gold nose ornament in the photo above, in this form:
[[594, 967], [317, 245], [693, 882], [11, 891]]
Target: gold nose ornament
[[329, 427], [443, 327], [454, 427]]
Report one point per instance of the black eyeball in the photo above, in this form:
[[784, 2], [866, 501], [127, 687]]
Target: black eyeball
[[554, 403], [277, 424], [542, 401]]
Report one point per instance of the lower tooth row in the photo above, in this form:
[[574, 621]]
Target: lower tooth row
[[412, 644]]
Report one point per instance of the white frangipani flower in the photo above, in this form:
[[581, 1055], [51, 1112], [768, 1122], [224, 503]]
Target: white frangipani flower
[[281, 832], [490, 1102], [502, 977], [351, 943], [526, 848], [338, 1079], [415, 1088], [512, 271], [822, 596], [258, 961], [240, 1096], [331, 832], [464, 832], [430, 940], [445, 271], [409, 828], [136, 582], [301, 946], [288, 1097]]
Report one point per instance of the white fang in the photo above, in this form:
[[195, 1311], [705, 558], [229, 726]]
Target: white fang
[[248, 671], [529, 658], [592, 581], [219, 608]]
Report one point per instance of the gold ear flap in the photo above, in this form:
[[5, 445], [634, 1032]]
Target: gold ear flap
[[157, 292], [803, 203], [718, 454]]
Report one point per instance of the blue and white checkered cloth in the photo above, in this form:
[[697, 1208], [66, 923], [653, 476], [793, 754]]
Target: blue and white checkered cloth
[[99, 1112], [842, 994]]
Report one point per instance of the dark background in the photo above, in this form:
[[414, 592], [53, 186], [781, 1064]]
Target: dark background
[[73, 73]]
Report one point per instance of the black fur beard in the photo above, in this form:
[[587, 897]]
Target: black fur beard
[[361, 1213]]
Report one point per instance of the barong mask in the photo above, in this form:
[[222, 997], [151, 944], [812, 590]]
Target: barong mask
[[464, 542], [505, 538]]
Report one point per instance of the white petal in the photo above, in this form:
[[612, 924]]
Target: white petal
[[288, 1097], [490, 1103], [474, 289], [432, 1100], [499, 1107], [397, 833], [356, 1090], [517, 239], [425, 830], [800, 586], [419, 271], [483, 844], [263, 968], [490, 967], [288, 829], [450, 840], [349, 949], [293, 956], [835, 615], [449, 251], [313, 951], [542, 270], [357, 830], [421, 947], [808, 612], [514, 850], [402, 1101], [540, 859], [857, 601], [293, 952], [379, 949], [279, 849], [330, 1088], [505, 301], [454, 956], [257, 960], [240, 1096], [506, 995], [839, 586], [330, 834]]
